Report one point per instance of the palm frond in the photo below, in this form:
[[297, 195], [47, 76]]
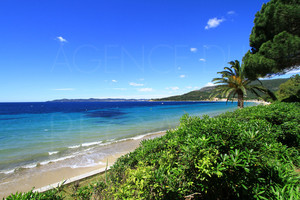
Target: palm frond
[[254, 92], [230, 70], [233, 82], [234, 93], [243, 90]]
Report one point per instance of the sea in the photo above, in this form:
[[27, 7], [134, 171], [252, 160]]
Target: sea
[[36, 134]]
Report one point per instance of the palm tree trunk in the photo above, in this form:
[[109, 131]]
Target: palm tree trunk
[[240, 99]]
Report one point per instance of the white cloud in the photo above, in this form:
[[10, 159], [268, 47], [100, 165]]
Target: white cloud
[[189, 87], [114, 81], [294, 71], [145, 90], [182, 76], [136, 84], [193, 50], [61, 39], [209, 84], [64, 89], [202, 60], [213, 23], [231, 12], [173, 88]]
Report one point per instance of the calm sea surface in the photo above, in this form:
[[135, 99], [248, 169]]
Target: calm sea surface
[[33, 134]]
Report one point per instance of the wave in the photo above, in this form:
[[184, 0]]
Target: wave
[[30, 166], [56, 160], [74, 146], [93, 164], [138, 137], [52, 152], [91, 143], [77, 153], [9, 171]]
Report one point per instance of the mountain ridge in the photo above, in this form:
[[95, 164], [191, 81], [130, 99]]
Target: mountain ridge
[[204, 93]]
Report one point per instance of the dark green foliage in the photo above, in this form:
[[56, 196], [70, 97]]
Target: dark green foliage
[[275, 39], [290, 90], [204, 93], [51, 194], [247, 154]]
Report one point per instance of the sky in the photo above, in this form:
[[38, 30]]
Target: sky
[[53, 49]]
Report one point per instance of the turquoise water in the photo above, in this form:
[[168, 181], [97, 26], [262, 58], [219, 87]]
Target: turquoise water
[[33, 134]]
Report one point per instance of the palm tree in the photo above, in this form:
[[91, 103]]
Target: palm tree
[[233, 82]]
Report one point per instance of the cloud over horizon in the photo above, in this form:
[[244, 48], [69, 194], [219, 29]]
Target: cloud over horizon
[[209, 84], [295, 71], [145, 90], [136, 84], [173, 88]]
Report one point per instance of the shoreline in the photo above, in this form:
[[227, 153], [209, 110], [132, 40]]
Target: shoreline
[[220, 100], [49, 176]]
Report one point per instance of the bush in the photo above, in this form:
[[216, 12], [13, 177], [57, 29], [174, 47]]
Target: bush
[[51, 194], [247, 154]]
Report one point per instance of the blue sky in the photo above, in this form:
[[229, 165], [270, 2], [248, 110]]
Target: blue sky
[[119, 49]]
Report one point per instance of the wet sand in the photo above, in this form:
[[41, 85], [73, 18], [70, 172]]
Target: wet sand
[[41, 176]]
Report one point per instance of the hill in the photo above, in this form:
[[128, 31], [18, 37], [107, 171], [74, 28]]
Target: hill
[[204, 93]]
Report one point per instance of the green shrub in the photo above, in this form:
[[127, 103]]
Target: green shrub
[[51, 194], [247, 154]]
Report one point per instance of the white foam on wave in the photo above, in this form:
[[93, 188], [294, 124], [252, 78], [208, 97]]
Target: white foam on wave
[[138, 137], [91, 143], [52, 152], [147, 134], [56, 160], [74, 147], [30, 166], [10, 171], [90, 163]]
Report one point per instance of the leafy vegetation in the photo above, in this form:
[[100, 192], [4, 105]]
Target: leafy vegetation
[[233, 82], [251, 153], [290, 90], [54, 194], [205, 92], [247, 154], [274, 40]]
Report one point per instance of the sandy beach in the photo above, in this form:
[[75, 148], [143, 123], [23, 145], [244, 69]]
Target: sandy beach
[[41, 176]]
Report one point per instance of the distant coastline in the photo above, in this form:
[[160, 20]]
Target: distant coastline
[[97, 100]]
